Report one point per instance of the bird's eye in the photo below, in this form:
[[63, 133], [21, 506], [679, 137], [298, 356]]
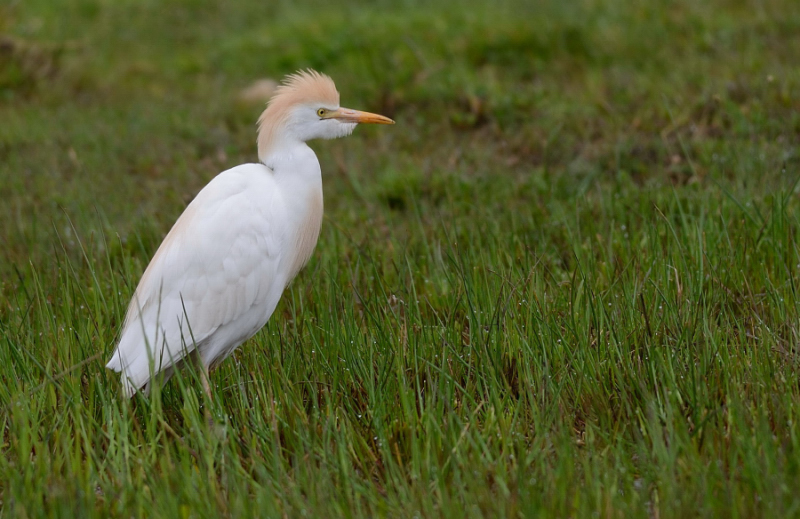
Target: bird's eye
[[321, 112]]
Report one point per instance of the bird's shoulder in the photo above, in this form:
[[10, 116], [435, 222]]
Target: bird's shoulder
[[254, 182], [241, 199]]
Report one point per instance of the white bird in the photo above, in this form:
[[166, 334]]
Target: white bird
[[220, 272]]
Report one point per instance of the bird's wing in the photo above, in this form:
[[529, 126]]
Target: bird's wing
[[219, 260]]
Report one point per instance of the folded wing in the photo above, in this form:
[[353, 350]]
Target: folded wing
[[218, 263]]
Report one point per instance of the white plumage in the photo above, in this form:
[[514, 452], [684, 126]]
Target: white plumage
[[220, 272]]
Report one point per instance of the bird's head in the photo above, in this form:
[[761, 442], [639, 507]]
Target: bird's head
[[306, 106]]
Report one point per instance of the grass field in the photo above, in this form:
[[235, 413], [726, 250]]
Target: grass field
[[564, 284]]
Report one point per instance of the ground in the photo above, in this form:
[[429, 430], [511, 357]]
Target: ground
[[564, 284]]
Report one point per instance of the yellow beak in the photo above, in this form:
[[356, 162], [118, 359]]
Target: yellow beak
[[354, 116]]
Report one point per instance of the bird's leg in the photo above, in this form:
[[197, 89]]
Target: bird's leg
[[207, 389], [204, 380]]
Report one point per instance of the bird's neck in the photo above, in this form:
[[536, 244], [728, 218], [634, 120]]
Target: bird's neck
[[297, 172], [277, 150]]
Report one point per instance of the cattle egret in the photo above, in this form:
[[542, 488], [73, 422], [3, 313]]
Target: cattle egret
[[219, 274]]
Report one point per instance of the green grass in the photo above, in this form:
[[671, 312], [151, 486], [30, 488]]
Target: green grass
[[564, 284]]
